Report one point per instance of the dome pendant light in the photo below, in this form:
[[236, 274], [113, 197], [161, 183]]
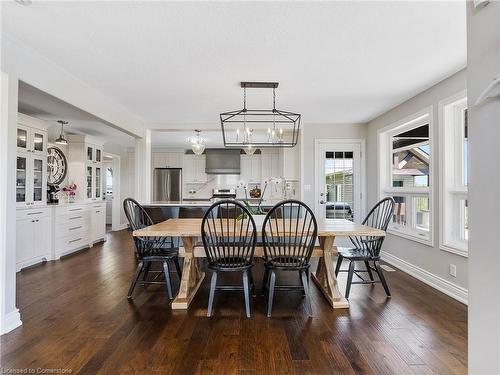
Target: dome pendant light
[[197, 145], [61, 140]]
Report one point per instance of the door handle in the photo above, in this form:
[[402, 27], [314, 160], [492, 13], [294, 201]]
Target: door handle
[[322, 202]]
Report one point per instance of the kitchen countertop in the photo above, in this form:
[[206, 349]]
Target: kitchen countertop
[[205, 203]]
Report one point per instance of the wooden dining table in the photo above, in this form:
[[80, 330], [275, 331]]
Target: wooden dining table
[[189, 230]]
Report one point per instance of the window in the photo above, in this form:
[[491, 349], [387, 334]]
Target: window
[[405, 166], [454, 174]]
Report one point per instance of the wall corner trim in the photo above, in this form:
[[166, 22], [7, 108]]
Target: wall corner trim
[[122, 226], [454, 291], [12, 321]]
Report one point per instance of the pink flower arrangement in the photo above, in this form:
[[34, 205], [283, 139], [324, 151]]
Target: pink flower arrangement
[[69, 190]]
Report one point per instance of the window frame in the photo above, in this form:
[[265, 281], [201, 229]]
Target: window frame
[[385, 188], [453, 190]]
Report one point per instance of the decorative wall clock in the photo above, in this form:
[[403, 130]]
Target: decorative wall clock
[[56, 166]]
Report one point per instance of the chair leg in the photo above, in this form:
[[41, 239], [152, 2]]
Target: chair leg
[[177, 267], [246, 291], [302, 284], [304, 276], [367, 264], [213, 284], [339, 263], [265, 281], [134, 280], [352, 264], [166, 271], [272, 283], [382, 278], [252, 284], [146, 271]]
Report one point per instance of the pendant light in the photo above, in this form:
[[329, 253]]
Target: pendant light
[[197, 143], [269, 128], [61, 140]]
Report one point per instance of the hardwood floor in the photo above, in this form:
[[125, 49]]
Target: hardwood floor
[[76, 316]]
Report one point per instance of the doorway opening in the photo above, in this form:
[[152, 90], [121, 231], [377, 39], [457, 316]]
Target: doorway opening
[[339, 179], [111, 186]]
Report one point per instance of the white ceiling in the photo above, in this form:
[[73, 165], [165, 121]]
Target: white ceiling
[[41, 105], [181, 62]]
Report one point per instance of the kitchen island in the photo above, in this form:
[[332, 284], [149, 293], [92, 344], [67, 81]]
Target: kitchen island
[[162, 210]]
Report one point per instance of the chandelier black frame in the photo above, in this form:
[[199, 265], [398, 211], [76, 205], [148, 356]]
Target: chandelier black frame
[[287, 122]]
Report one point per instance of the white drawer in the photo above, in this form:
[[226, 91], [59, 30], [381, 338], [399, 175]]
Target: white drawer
[[70, 228], [73, 241], [73, 217], [70, 209], [33, 213], [101, 206]]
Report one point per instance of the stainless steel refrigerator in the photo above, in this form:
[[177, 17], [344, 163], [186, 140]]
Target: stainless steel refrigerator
[[167, 184]]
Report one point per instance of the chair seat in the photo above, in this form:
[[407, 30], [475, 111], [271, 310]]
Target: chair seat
[[356, 254], [291, 262], [231, 264]]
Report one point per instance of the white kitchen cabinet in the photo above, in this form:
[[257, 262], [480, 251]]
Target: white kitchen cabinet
[[31, 162], [33, 236], [31, 135], [97, 222], [271, 167], [193, 169], [77, 226], [93, 153], [291, 163], [271, 164], [251, 168], [167, 160], [85, 167]]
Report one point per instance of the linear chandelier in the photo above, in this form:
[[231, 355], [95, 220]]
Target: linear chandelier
[[250, 128]]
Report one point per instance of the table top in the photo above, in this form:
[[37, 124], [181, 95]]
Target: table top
[[192, 228]]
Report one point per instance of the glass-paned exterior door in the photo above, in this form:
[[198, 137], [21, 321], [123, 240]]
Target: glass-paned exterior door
[[339, 181]]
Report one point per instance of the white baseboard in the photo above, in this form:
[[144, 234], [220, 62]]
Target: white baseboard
[[12, 320], [454, 291], [122, 226]]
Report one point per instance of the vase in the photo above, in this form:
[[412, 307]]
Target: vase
[[259, 220], [71, 199]]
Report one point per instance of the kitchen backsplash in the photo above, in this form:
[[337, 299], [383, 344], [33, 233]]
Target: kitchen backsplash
[[204, 191]]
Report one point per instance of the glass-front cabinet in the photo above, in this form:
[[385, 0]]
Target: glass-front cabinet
[[31, 140], [31, 162], [93, 154], [31, 179], [90, 182], [98, 183], [38, 177], [22, 139], [21, 173]]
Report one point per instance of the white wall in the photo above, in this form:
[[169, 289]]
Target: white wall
[[483, 39], [310, 132], [432, 264]]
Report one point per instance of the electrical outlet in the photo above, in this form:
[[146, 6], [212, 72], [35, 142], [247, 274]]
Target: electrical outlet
[[453, 270]]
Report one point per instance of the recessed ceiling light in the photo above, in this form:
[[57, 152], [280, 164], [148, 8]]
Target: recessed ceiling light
[[24, 2]]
